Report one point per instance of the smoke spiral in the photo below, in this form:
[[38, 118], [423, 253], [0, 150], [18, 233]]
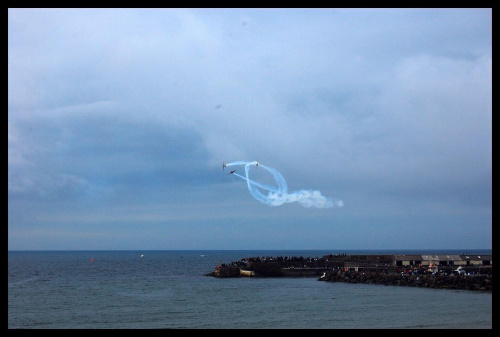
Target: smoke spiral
[[278, 195]]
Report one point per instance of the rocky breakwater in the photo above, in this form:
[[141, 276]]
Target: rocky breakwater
[[428, 280], [269, 266]]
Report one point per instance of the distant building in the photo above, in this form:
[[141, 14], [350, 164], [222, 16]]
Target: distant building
[[443, 260], [416, 260], [476, 260]]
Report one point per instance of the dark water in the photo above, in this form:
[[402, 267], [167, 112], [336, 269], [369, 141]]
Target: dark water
[[168, 289]]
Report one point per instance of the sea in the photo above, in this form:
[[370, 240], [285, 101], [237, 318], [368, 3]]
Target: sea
[[170, 290]]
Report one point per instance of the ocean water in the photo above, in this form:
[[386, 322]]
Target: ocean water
[[168, 290]]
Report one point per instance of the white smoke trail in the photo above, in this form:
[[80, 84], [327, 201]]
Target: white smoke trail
[[278, 195]]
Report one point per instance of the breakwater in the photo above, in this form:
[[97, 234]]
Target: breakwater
[[446, 272], [415, 279], [268, 266]]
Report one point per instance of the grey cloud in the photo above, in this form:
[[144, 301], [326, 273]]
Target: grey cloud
[[138, 104]]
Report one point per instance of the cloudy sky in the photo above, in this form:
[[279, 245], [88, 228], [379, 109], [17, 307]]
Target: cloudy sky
[[119, 121]]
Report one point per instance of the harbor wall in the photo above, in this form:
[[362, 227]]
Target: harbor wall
[[441, 281], [440, 272]]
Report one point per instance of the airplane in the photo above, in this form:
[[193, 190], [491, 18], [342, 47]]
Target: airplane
[[257, 165], [223, 165], [231, 172]]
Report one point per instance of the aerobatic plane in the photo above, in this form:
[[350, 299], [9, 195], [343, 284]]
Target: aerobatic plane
[[223, 165], [231, 172]]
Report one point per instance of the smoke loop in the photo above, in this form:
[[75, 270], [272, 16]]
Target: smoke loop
[[278, 195]]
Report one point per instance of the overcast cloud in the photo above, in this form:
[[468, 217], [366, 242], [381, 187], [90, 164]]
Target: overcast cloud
[[119, 121]]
